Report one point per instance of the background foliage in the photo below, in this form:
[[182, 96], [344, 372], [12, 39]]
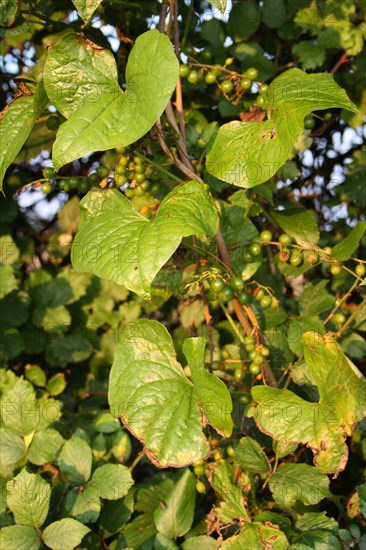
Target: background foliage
[[182, 303]]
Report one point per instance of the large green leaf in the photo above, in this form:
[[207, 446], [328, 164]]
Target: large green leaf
[[156, 401], [86, 8], [299, 224], [66, 534], [28, 498], [211, 392], [81, 80], [117, 243], [19, 537], [346, 247], [16, 123], [249, 153], [176, 517], [302, 482], [323, 426]]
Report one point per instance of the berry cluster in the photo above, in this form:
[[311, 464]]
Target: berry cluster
[[81, 184], [139, 177], [228, 81]]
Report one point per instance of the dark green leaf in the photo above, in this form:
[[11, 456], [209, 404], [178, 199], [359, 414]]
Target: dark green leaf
[[344, 250], [302, 482], [175, 518], [250, 457]]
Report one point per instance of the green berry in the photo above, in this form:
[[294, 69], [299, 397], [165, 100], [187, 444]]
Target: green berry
[[139, 191], [266, 236], [335, 269], [217, 455], [120, 179], [201, 143], [53, 122], [199, 470], [258, 359], [247, 257], [217, 285], [263, 88], [73, 182], [138, 160], [296, 258], [48, 172], [193, 76], [230, 451], [254, 368], [140, 178], [210, 78], [129, 192], [244, 399], [227, 86], [266, 301], [251, 73], [226, 294], [327, 117], [155, 189], [260, 101], [255, 249], [102, 171], [249, 340], [200, 487], [243, 298], [339, 318], [285, 239], [64, 185], [237, 284], [259, 295], [124, 160], [252, 354], [145, 185], [264, 351], [215, 365], [245, 84], [140, 168], [360, 270], [250, 347], [309, 122], [46, 188], [206, 55], [184, 71], [84, 186], [238, 374]]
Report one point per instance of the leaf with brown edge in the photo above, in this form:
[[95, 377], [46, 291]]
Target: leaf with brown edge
[[324, 425]]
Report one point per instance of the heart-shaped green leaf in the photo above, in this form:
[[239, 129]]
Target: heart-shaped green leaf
[[323, 426], [81, 80], [149, 391], [247, 154], [115, 242]]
